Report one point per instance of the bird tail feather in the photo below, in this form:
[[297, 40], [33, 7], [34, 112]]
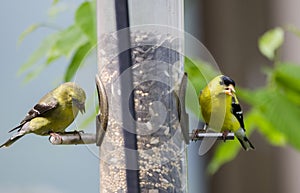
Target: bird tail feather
[[17, 127], [245, 142], [12, 140]]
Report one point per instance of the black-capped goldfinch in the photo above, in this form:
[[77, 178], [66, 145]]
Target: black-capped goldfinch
[[221, 110], [53, 113]]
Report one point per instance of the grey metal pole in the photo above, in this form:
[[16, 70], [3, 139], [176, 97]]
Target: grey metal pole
[[128, 123]]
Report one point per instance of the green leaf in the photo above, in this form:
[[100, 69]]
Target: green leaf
[[85, 19], [32, 74], [39, 53], [287, 76], [255, 98], [270, 42], [59, 44], [284, 115], [257, 119], [276, 115], [56, 9], [76, 61], [55, 2], [68, 41], [199, 73], [27, 31], [224, 153]]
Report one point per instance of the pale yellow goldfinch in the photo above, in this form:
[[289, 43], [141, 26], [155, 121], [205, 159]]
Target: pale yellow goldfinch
[[218, 101], [53, 113]]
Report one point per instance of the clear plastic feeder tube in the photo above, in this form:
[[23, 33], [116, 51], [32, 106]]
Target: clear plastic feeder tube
[[156, 47]]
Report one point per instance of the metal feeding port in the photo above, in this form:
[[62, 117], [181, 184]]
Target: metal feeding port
[[102, 117], [183, 116]]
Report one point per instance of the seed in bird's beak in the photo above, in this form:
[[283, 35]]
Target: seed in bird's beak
[[229, 90], [231, 87]]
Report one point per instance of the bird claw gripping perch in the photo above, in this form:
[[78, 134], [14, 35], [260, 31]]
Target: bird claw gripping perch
[[102, 117], [55, 137]]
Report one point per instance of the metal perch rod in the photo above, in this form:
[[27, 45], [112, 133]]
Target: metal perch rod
[[76, 138], [210, 135], [72, 138]]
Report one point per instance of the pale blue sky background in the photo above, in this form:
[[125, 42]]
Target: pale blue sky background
[[33, 165]]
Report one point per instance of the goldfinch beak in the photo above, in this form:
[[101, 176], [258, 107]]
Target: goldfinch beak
[[229, 90], [82, 109], [79, 105]]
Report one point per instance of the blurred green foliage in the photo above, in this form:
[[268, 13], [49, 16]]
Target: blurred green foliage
[[275, 108], [270, 42], [74, 42], [199, 72]]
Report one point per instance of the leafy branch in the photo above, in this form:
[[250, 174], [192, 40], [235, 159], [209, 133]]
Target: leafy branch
[[73, 42]]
